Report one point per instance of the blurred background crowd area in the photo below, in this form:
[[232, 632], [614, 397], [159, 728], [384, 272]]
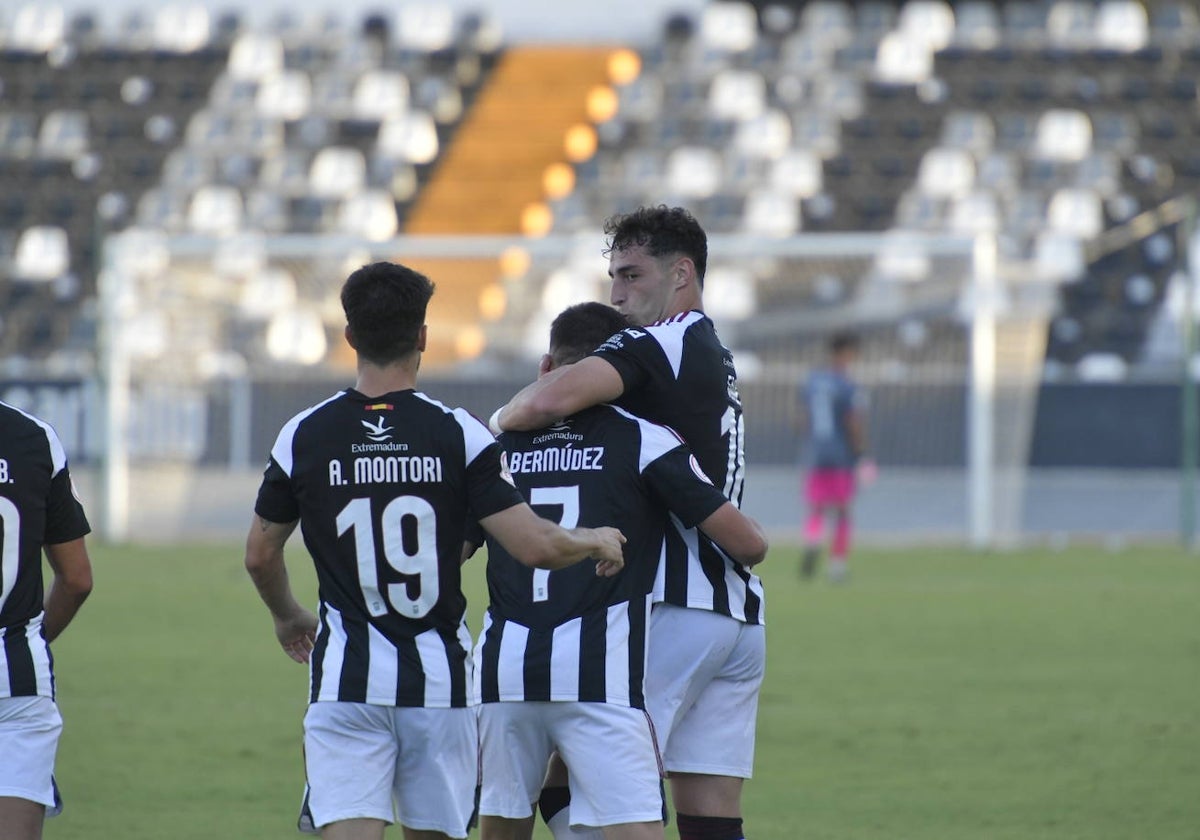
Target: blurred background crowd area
[[196, 181]]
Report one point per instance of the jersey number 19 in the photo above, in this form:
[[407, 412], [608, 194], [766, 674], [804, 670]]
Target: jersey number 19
[[412, 557]]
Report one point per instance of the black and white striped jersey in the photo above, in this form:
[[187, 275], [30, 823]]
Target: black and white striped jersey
[[383, 488], [677, 372], [569, 635], [38, 507]]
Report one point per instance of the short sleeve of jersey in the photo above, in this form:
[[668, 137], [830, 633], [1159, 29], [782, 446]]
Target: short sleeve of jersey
[[676, 478], [488, 489], [65, 519], [630, 352], [276, 502]]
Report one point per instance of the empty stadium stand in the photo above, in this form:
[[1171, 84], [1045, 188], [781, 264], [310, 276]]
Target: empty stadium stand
[[1064, 128]]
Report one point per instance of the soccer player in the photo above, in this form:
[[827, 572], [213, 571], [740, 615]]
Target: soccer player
[[562, 657], [707, 642], [382, 479], [832, 411], [39, 512]]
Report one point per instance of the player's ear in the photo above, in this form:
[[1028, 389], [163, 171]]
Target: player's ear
[[683, 271], [421, 338], [350, 337], [546, 365]]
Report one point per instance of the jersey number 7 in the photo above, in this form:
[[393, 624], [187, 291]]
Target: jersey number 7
[[568, 499]]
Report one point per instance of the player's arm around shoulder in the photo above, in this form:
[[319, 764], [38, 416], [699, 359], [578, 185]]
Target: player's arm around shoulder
[[741, 537], [295, 627], [541, 544], [561, 393], [71, 586]]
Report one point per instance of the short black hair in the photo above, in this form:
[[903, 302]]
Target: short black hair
[[661, 230], [385, 308], [843, 340], [580, 329]]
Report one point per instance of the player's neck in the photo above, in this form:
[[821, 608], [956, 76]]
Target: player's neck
[[375, 380], [686, 300]]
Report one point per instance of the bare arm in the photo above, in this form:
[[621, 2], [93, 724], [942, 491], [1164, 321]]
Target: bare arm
[[740, 536], [541, 544], [295, 627], [72, 584], [856, 432], [561, 393]]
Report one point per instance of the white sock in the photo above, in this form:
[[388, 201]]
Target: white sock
[[560, 827]]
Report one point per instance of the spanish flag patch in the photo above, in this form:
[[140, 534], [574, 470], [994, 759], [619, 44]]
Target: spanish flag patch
[[380, 407]]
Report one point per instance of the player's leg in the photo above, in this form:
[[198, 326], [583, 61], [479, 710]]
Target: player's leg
[[350, 761], [436, 770], [815, 491], [29, 731], [711, 748], [514, 747], [842, 491], [635, 831], [501, 828], [613, 767], [21, 819], [355, 829], [554, 804]]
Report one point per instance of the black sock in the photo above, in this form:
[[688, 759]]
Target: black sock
[[553, 800], [709, 828]]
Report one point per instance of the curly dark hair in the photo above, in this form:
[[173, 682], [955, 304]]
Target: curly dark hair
[[385, 308], [660, 230]]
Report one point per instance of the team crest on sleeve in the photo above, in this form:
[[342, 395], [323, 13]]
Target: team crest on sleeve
[[697, 470], [505, 473]]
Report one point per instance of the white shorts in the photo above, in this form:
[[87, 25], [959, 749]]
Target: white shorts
[[29, 730], [361, 758], [613, 767], [703, 674]]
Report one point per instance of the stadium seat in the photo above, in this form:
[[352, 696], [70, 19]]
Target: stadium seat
[[425, 27], [693, 172], [411, 137], [977, 24], [1076, 212], [215, 210], [737, 95], [379, 94], [337, 172], [946, 173], [370, 214], [42, 254], [1122, 25], [255, 56], [182, 28], [1058, 257], [930, 22], [768, 212], [903, 59], [766, 136], [1064, 135], [728, 26], [285, 96], [38, 27]]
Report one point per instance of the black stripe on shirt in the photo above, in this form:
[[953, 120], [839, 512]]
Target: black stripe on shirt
[[593, 651], [22, 678]]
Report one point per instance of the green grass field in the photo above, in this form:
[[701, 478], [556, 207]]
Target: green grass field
[[939, 695]]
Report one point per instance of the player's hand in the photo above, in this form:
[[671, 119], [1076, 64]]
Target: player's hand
[[610, 558], [866, 472], [297, 633]]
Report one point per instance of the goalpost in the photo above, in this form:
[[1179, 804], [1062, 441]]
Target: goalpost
[[208, 344]]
